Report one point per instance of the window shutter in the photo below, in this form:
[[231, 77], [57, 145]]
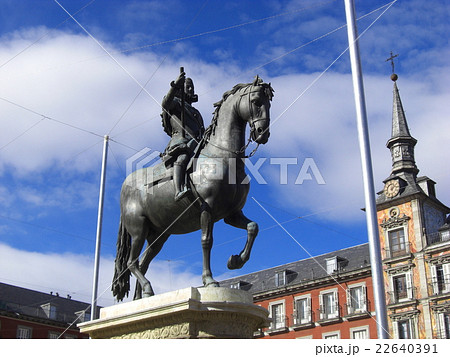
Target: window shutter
[[364, 297], [308, 309], [434, 280], [409, 288], [446, 277], [321, 307]]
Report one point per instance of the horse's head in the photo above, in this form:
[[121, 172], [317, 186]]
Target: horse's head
[[254, 106]]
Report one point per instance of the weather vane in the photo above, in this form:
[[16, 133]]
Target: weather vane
[[393, 75]]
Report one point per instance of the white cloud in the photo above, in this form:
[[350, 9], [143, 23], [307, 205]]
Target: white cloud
[[68, 273]]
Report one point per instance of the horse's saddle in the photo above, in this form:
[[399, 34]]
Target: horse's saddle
[[163, 171]]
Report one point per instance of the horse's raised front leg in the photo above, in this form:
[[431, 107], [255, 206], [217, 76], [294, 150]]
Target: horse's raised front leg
[[206, 225], [238, 220]]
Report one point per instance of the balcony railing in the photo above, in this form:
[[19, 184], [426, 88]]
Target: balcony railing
[[438, 237], [329, 313], [356, 308], [404, 295], [278, 323], [299, 319], [397, 251], [439, 286]]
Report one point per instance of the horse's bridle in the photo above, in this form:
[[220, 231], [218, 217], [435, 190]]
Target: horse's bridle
[[251, 124]]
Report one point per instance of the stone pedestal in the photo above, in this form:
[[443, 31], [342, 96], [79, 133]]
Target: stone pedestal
[[186, 313]]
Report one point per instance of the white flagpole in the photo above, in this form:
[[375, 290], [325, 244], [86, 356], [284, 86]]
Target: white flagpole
[[99, 230], [369, 191]]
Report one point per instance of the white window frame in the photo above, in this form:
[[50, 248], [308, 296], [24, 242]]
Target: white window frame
[[276, 325], [335, 304], [24, 332], [358, 329], [410, 327], [53, 335], [409, 286], [363, 300], [331, 334], [434, 278], [442, 330], [235, 285], [280, 278], [332, 265], [308, 317], [388, 240]]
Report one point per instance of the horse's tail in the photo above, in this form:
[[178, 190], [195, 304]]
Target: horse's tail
[[121, 280]]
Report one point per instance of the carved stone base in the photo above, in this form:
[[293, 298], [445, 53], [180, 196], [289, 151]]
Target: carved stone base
[[187, 313]]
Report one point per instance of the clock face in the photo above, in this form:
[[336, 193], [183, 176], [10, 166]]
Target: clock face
[[391, 188]]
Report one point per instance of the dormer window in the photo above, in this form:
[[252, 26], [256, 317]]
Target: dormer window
[[49, 311], [235, 285], [332, 265], [280, 278]]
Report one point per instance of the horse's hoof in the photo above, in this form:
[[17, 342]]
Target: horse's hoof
[[235, 262]]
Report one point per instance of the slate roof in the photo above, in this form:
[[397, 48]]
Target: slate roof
[[26, 302], [304, 271]]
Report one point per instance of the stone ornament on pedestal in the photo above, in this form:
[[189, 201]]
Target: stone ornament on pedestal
[[187, 313]]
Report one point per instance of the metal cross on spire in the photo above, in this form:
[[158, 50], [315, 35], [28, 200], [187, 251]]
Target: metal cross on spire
[[392, 61]]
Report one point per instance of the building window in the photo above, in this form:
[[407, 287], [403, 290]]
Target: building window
[[332, 265], [277, 315], [49, 311], [83, 316], [53, 335], [440, 278], [331, 335], [356, 299], [235, 285], [302, 310], [361, 332], [24, 332], [402, 287], [397, 242], [329, 307], [444, 325], [280, 278], [404, 328]]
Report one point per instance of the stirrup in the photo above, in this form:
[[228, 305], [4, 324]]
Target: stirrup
[[181, 194]]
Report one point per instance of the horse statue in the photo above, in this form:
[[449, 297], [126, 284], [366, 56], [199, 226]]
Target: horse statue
[[150, 214]]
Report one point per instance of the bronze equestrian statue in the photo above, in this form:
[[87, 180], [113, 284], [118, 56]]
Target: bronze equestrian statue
[[149, 212]]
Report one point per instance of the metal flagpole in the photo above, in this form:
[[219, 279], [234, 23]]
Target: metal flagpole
[[369, 191], [99, 230]]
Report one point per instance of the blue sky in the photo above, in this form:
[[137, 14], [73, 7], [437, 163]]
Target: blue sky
[[61, 92]]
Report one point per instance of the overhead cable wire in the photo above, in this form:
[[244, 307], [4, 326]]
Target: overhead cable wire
[[44, 35], [329, 66], [137, 259], [228, 28], [50, 118], [22, 134], [154, 72], [310, 255]]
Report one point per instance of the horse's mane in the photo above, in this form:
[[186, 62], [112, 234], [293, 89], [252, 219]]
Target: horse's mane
[[257, 82]]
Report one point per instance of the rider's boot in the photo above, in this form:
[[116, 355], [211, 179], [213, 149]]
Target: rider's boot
[[178, 177]]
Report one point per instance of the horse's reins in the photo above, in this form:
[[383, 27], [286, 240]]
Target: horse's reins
[[252, 129]]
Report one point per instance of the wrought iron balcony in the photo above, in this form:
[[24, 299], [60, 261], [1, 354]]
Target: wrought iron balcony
[[357, 308], [439, 287], [330, 313], [299, 319], [397, 251], [278, 323], [438, 237]]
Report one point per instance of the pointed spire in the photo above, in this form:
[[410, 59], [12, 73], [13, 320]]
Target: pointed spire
[[399, 124], [401, 142]]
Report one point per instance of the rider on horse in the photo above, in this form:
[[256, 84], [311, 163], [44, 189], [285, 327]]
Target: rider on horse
[[184, 124]]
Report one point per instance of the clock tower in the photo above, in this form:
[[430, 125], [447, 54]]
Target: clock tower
[[415, 240]]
